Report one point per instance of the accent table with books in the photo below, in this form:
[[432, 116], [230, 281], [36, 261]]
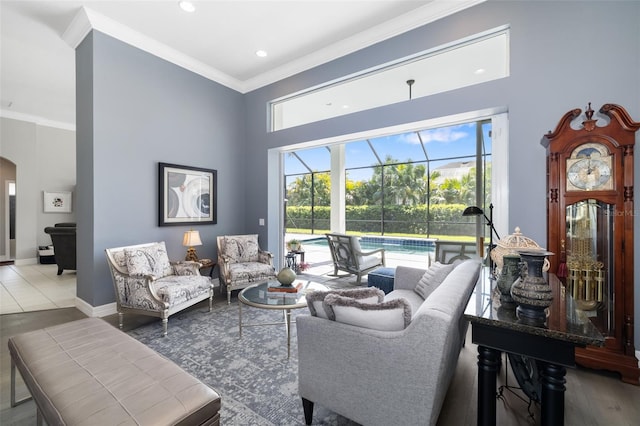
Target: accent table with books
[[279, 297]]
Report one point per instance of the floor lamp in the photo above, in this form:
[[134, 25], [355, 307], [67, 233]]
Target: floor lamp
[[477, 211]]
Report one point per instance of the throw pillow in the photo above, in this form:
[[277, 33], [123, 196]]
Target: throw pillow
[[432, 278], [315, 299], [392, 315], [149, 260]]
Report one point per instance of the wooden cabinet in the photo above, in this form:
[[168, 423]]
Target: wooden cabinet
[[590, 227]]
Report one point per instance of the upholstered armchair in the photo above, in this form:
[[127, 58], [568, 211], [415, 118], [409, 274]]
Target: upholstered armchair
[[348, 256], [242, 262], [147, 283], [63, 238]]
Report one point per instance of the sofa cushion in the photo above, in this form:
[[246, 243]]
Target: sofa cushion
[[250, 271], [432, 278], [315, 299], [393, 315], [176, 289], [414, 299], [241, 248], [364, 262], [149, 260], [458, 286]]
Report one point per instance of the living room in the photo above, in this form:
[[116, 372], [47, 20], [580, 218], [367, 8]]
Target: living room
[[135, 110]]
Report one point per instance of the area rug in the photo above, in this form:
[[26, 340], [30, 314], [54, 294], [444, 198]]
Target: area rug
[[257, 383]]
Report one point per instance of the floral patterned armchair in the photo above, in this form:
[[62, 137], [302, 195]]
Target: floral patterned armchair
[[146, 283], [242, 262]]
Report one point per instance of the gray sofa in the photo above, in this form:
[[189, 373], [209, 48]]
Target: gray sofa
[[376, 377]]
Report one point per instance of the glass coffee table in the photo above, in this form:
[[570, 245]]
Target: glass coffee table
[[258, 296]]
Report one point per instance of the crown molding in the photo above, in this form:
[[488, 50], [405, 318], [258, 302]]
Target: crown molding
[[87, 19], [416, 18], [78, 29], [40, 121]]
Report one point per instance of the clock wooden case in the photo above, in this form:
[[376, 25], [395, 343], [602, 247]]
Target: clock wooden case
[[590, 211]]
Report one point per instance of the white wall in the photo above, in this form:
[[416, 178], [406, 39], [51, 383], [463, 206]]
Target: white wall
[[31, 147]]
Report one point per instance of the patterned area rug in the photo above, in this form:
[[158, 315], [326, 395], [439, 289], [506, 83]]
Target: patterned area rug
[[257, 383]]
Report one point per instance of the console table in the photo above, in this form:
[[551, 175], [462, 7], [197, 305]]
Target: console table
[[496, 329]]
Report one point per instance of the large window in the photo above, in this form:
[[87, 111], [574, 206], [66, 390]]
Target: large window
[[461, 63], [410, 184]]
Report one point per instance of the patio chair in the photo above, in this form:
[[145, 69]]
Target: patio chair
[[348, 256], [450, 251]]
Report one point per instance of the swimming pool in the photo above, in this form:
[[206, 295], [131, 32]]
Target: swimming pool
[[421, 246]]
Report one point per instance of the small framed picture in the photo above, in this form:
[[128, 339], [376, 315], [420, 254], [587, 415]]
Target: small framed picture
[[57, 202], [187, 195]]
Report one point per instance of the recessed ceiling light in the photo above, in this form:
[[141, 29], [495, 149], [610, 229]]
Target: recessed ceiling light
[[187, 6], [261, 53], [479, 71]]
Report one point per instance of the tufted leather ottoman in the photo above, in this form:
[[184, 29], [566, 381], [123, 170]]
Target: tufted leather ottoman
[[89, 372]]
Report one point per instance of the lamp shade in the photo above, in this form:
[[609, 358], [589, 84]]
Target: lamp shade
[[191, 238], [472, 211]]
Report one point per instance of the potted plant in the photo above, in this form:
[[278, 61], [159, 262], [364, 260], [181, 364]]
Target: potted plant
[[293, 244], [303, 266]]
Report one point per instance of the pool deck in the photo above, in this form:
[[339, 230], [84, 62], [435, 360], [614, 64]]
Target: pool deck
[[320, 261]]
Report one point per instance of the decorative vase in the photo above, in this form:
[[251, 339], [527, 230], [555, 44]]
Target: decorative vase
[[531, 290], [510, 273], [286, 277]]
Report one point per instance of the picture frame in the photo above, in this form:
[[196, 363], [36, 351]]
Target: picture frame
[[57, 202], [187, 195]]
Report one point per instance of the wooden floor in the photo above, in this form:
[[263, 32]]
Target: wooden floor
[[592, 397]]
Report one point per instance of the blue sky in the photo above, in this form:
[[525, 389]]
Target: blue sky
[[444, 144]]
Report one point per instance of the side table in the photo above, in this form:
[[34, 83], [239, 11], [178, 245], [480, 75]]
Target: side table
[[291, 259], [207, 264]]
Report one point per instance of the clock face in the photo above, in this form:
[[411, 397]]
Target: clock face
[[589, 169]]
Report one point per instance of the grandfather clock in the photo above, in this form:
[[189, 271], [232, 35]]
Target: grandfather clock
[[590, 228]]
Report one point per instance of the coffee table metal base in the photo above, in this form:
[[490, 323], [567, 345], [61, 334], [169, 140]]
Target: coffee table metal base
[[286, 322], [259, 296]]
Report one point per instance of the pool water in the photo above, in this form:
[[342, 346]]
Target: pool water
[[390, 244]]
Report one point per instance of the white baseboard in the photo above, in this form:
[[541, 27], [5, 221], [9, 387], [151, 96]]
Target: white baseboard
[[95, 311], [638, 357]]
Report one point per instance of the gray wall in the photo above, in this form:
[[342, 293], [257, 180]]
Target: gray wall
[[135, 110], [45, 161], [563, 55]]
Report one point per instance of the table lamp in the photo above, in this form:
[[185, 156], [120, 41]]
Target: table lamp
[[191, 238]]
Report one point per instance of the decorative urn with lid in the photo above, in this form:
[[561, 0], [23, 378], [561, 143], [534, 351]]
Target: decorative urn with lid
[[513, 244]]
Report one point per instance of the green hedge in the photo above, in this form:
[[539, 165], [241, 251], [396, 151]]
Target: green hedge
[[442, 219]]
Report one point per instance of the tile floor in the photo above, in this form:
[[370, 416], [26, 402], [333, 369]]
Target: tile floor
[[36, 287]]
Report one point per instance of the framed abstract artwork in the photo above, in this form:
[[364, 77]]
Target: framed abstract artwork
[[187, 195], [57, 202]]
